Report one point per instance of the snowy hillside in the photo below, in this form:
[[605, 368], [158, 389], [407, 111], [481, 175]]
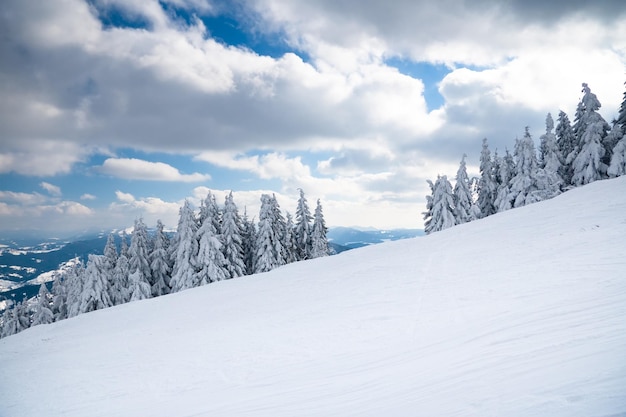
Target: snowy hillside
[[520, 314]]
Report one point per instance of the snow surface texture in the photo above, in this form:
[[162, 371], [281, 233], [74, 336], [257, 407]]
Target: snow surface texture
[[519, 314]]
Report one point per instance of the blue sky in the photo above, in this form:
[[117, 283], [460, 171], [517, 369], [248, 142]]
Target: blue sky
[[116, 109]]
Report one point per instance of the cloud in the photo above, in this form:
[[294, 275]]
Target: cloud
[[88, 196], [150, 209], [138, 169], [53, 190]]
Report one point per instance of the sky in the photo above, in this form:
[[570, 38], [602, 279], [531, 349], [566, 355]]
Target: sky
[[113, 110]]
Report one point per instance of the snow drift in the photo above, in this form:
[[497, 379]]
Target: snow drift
[[520, 314]]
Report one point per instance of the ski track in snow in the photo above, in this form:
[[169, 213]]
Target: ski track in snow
[[519, 314]]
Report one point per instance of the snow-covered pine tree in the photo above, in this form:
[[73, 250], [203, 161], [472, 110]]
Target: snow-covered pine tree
[[567, 146], [140, 274], [11, 323], [506, 172], [590, 163], [303, 228], [75, 283], [530, 183], [440, 206], [269, 248], [210, 261], [290, 244], [618, 136], [550, 156], [59, 298], [159, 262], [119, 292], [486, 184], [110, 253], [185, 251], [248, 238], [232, 239], [464, 208], [95, 293], [124, 244], [319, 241], [43, 312]]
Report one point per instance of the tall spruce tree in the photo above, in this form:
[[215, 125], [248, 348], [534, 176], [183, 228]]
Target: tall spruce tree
[[550, 160], [140, 274], [210, 261], [248, 237], [464, 208], [591, 162], [319, 241], [232, 239], [567, 146], [95, 291], [269, 247], [159, 262], [505, 173], [486, 184], [440, 206], [43, 309], [290, 243], [618, 137], [303, 228], [185, 250]]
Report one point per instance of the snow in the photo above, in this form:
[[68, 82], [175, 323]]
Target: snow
[[518, 314]]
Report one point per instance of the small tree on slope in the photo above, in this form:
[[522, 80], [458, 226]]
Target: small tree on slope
[[464, 208], [318, 235], [185, 250], [43, 313]]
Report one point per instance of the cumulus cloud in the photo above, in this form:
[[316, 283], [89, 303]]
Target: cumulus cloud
[[138, 169], [88, 196]]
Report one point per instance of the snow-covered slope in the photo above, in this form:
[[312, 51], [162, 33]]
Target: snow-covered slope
[[519, 314]]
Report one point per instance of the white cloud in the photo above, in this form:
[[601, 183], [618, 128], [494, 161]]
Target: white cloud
[[53, 190], [88, 196], [138, 169]]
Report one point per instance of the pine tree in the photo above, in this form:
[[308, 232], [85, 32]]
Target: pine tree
[[486, 185], [464, 208], [43, 312], [290, 243], [185, 251], [159, 262], [248, 238], [75, 285], [590, 163], [232, 239], [550, 156], [140, 274], [319, 241], [210, 261], [506, 172], [440, 206], [95, 292], [618, 137], [270, 253], [11, 323], [110, 253], [567, 146], [119, 291], [303, 228]]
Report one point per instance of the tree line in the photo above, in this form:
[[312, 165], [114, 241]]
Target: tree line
[[211, 244], [570, 155]]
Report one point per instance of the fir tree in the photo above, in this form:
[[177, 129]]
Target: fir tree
[[486, 184], [159, 263], [269, 248], [210, 262], [232, 239], [303, 228], [464, 208], [440, 206], [319, 241], [248, 238], [140, 274], [43, 312], [75, 285], [590, 163], [617, 135], [567, 146], [550, 156], [95, 291], [120, 289], [290, 243], [185, 251]]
